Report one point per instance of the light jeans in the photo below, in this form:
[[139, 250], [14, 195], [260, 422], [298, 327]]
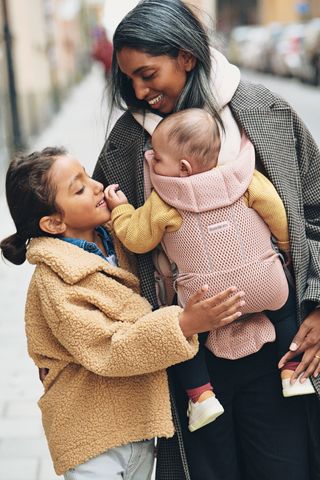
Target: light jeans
[[133, 461]]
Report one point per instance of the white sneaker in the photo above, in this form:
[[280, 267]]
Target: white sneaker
[[297, 388], [200, 414]]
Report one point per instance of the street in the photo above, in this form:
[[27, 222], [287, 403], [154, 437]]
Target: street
[[80, 126]]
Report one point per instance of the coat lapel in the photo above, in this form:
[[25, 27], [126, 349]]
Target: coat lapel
[[74, 264]]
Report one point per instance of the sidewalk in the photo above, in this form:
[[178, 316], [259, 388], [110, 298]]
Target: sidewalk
[[80, 126]]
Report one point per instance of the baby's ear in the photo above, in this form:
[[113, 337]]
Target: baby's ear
[[185, 168], [52, 224], [149, 154]]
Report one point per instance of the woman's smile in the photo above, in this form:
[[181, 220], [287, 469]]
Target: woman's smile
[[156, 101]]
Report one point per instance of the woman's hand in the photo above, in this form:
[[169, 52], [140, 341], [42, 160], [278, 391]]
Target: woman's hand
[[306, 341], [204, 315], [114, 197]]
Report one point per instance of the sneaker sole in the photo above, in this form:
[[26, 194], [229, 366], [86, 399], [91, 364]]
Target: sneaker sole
[[288, 392], [297, 388], [202, 422]]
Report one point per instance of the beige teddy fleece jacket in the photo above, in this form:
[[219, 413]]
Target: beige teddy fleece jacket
[[105, 349]]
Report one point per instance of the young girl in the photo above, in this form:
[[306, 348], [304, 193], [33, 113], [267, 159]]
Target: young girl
[[163, 63], [106, 393]]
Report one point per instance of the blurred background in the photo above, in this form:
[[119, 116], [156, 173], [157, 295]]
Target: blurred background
[[45, 48], [54, 59]]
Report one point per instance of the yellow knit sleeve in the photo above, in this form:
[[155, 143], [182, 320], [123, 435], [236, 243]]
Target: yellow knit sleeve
[[263, 197], [140, 230]]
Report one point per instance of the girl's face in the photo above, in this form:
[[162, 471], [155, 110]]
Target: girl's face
[[79, 197], [157, 80]]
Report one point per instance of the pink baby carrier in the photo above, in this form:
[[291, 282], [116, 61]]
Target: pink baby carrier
[[222, 242]]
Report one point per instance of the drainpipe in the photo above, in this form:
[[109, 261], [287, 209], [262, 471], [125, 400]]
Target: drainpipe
[[16, 130]]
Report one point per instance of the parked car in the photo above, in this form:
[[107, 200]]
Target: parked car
[[239, 37], [248, 46], [291, 50], [253, 51], [273, 33], [310, 54], [286, 58]]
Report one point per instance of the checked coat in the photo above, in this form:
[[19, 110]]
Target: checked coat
[[287, 154]]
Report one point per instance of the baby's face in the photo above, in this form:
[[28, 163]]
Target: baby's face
[[166, 156]]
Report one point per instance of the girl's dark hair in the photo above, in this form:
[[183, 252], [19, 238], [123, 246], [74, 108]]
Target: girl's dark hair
[[164, 27], [30, 196]]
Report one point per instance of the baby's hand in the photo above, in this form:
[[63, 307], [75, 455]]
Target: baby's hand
[[114, 197], [149, 154]]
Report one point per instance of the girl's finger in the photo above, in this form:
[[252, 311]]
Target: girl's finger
[[230, 318], [224, 310], [230, 305], [226, 297], [197, 296]]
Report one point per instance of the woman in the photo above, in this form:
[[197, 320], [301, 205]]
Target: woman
[[162, 63]]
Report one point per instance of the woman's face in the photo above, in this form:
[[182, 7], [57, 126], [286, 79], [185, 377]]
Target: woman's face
[[157, 80]]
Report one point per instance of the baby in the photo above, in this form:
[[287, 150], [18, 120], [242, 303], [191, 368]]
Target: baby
[[216, 225]]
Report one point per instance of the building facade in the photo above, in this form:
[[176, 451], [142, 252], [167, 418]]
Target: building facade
[[49, 50], [287, 10], [231, 13]]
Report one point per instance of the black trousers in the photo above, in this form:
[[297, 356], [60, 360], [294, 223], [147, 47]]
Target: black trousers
[[261, 435]]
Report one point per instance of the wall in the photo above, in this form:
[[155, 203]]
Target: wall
[[285, 11]]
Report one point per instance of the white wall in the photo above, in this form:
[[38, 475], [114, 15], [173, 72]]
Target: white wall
[[115, 10]]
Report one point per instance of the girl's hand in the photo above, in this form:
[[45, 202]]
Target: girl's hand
[[204, 315], [306, 341], [114, 197]]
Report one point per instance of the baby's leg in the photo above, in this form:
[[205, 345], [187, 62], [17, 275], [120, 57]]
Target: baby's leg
[[193, 376]]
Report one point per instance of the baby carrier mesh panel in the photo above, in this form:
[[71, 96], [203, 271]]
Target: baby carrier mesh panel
[[223, 243]]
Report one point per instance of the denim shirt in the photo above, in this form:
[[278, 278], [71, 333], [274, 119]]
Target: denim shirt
[[93, 248]]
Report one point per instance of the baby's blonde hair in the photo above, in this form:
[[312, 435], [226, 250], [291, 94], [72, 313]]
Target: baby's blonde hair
[[195, 133]]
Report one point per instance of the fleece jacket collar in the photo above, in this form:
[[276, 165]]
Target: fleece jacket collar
[[72, 263]]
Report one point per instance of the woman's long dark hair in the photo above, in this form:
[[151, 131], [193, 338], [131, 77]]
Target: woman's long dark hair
[[30, 196], [164, 27]]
